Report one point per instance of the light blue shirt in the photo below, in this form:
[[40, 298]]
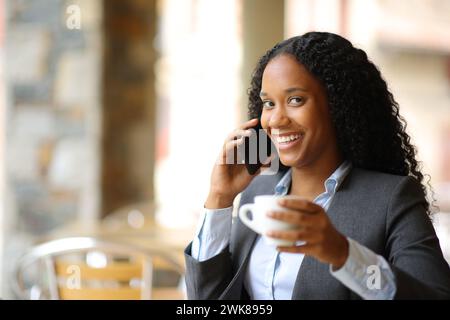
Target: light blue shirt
[[271, 274]]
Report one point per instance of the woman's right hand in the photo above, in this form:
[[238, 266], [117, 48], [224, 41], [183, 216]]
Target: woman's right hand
[[229, 179]]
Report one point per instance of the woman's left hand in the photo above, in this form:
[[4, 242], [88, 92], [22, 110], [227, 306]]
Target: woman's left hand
[[323, 241]]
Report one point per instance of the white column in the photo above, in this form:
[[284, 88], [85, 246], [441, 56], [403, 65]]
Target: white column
[[198, 80]]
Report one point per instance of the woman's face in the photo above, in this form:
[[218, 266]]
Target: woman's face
[[295, 113]]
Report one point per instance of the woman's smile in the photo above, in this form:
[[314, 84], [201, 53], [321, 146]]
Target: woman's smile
[[287, 141]]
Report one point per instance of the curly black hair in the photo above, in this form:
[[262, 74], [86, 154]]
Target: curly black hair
[[370, 131]]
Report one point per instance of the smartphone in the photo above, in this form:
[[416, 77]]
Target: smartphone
[[257, 148]]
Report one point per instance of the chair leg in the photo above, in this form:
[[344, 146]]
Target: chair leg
[[52, 278], [147, 279]]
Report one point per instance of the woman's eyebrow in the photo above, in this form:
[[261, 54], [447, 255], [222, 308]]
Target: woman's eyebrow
[[290, 90]]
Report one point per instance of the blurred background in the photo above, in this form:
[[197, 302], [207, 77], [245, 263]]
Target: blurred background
[[112, 112]]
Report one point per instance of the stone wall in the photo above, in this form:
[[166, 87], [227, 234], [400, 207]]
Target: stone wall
[[53, 112], [53, 117]]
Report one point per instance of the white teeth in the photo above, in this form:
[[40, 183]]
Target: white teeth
[[285, 139]]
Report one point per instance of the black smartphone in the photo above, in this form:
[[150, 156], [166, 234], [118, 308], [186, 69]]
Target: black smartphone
[[257, 148]]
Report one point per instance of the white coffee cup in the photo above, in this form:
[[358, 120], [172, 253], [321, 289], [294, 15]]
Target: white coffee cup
[[261, 223]]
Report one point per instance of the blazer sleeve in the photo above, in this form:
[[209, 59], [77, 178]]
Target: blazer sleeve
[[207, 280], [415, 256]]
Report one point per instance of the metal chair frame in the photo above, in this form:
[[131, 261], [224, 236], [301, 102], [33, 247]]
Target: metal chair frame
[[49, 250]]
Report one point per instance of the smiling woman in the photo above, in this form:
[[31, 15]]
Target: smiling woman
[[357, 209], [295, 105]]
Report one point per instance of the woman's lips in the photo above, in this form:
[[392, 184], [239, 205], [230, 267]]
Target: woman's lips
[[285, 142]]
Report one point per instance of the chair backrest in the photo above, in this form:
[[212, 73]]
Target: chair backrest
[[90, 268]]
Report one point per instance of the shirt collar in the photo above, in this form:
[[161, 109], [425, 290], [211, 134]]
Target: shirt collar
[[331, 184]]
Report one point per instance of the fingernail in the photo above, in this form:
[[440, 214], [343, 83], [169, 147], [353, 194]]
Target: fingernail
[[269, 213]]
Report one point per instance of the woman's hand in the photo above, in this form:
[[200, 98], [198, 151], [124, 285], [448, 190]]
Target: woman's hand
[[228, 177], [323, 241]]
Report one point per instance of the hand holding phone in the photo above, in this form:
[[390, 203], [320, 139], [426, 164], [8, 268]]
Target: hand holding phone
[[257, 149], [229, 176]]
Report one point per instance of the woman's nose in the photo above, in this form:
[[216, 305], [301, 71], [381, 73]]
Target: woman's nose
[[278, 118]]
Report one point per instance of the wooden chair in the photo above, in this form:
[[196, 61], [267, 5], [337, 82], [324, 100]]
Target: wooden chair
[[88, 268]]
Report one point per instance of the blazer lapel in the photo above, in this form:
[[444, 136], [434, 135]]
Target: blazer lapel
[[243, 238], [314, 280]]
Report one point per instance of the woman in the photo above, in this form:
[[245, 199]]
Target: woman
[[362, 219]]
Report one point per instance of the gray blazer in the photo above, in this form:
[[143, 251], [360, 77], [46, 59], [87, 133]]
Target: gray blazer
[[383, 212]]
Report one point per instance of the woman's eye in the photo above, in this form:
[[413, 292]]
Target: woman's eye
[[296, 100], [268, 104]]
